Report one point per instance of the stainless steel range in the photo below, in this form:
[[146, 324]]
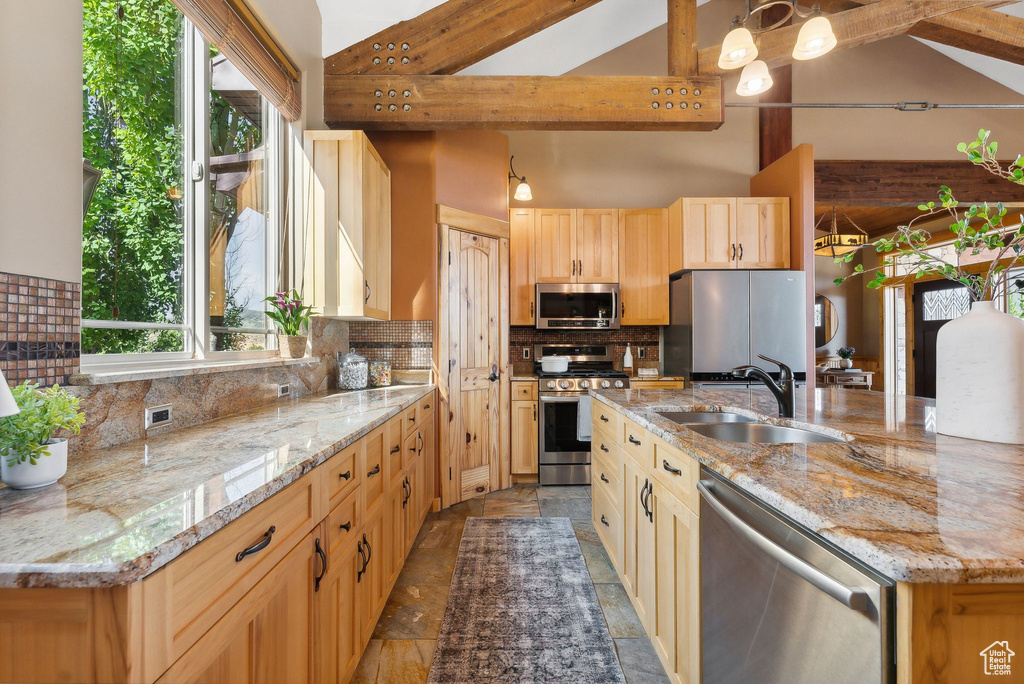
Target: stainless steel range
[[564, 455]]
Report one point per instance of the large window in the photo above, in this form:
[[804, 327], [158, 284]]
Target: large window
[[180, 241]]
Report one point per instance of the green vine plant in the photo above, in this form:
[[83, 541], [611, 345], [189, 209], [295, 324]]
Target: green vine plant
[[981, 228], [24, 436]]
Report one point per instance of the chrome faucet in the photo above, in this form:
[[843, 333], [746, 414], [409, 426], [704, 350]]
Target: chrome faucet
[[784, 390]]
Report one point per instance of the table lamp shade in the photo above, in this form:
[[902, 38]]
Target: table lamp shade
[[8, 407]]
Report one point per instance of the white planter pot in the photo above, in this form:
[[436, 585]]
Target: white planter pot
[[979, 376], [846, 363], [48, 470]]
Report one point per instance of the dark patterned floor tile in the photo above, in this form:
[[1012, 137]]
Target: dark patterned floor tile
[[572, 508]]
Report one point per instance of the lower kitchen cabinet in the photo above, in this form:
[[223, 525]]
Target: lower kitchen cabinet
[[372, 579], [638, 542], [524, 437], [339, 639]]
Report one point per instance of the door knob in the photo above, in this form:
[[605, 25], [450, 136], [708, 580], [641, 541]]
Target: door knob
[[493, 377]]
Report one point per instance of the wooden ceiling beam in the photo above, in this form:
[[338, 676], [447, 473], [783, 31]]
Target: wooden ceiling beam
[[451, 36], [568, 103], [906, 183], [682, 38], [853, 27]]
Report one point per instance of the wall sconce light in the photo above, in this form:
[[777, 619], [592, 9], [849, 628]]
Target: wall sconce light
[[523, 191]]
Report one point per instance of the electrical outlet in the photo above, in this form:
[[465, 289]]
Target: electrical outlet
[[641, 352], [284, 390], [155, 416], [526, 353]]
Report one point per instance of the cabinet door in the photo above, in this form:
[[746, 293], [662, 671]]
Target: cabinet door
[[555, 245], [522, 271], [339, 643], [762, 232], [412, 516], [634, 526], [394, 528], [374, 464], [428, 468], [524, 438], [265, 637], [597, 246], [709, 232], [376, 233], [373, 584], [643, 266], [675, 618]]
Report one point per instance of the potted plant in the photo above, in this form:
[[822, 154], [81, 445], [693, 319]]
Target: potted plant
[[979, 389], [846, 356], [291, 315], [30, 456]]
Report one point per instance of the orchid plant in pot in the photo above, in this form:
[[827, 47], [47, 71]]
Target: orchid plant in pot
[[979, 389], [291, 316], [30, 455]]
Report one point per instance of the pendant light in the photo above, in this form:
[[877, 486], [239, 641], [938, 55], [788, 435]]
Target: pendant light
[[836, 244], [738, 48], [523, 191], [754, 80], [815, 39]]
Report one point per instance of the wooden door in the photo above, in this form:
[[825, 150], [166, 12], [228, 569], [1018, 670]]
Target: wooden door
[[524, 437], [338, 635], [597, 246], [935, 303], [474, 364], [555, 245], [643, 266], [373, 584], [521, 269], [709, 232], [376, 234], [265, 637], [675, 619], [762, 232]]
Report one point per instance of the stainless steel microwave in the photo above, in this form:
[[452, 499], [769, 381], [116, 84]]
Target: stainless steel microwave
[[576, 306]]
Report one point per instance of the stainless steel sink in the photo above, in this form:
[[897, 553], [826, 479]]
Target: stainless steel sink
[[691, 417], [760, 433]]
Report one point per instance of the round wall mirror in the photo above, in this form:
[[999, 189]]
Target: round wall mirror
[[826, 320]]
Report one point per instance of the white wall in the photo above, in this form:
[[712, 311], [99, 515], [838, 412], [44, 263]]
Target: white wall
[[41, 138]]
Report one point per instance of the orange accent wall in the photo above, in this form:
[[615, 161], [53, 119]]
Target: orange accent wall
[[472, 172]]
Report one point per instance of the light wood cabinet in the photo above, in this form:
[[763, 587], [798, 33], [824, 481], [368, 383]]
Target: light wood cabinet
[[729, 232], [346, 242], [522, 271], [428, 465], [638, 542], [373, 580], [338, 636], [643, 266], [524, 438], [597, 246], [554, 252]]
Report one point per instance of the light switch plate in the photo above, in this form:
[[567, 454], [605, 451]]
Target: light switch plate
[[526, 353], [155, 416], [641, 352], [284, 390]]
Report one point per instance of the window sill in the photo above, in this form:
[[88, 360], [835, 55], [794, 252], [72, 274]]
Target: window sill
[[106, 374]]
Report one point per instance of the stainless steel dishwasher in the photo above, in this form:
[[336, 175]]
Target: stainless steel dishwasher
[[782, 606]]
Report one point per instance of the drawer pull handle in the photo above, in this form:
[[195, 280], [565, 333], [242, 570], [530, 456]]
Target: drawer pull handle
[[634, 441], [604, 521], [419, 438], [323, 566], [373, 472], [426, 407], [369, 550], [345, 475], [258, 546], [412, 419], [359, 548], [603, 418], [346, 526], [604, 479], [604, 448], [666, 466], [396, 449]]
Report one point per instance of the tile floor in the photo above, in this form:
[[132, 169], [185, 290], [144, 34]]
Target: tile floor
[[403, 643]]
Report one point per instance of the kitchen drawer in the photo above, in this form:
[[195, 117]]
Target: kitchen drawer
[[608, 420], [657, 384], [411, 449], [609, 449], [344, 473], [524, 391], [638, 443], [425, 407], [374, 459], [410, 420], [187, 597], [343, 524], [678, 472], [606, 474], [608, 523]]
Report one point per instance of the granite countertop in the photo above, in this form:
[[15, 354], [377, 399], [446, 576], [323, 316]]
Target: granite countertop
[[915, 505], [123, 512]]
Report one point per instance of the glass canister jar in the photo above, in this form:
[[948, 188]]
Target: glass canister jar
[[380, 374], [352, 371]]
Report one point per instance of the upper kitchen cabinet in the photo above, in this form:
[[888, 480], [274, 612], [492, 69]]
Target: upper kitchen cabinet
[[554, 233], [643, 266], [597, 246], [729, 232], [522, 268], [347, 237]]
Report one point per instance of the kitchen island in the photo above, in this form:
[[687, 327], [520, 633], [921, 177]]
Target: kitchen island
[[941, 516]]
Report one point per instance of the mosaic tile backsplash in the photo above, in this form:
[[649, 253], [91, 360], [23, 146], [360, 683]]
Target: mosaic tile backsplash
[[645, 336], [40, 321], [404, 344]]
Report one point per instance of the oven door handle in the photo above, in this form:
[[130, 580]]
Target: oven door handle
[[550, 399], [852, 597]]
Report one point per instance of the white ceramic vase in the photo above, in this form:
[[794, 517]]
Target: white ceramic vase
[[846, 363], [48, 470], [979, 376]]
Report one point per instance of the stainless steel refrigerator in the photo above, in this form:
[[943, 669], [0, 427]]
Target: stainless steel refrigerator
[[723, 319]]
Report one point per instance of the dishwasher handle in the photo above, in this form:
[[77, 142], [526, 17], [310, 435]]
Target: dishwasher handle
[[852, 597]]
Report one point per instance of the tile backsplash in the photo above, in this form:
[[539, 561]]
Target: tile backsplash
[[646, 336], [40, 321], [404, 344]]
